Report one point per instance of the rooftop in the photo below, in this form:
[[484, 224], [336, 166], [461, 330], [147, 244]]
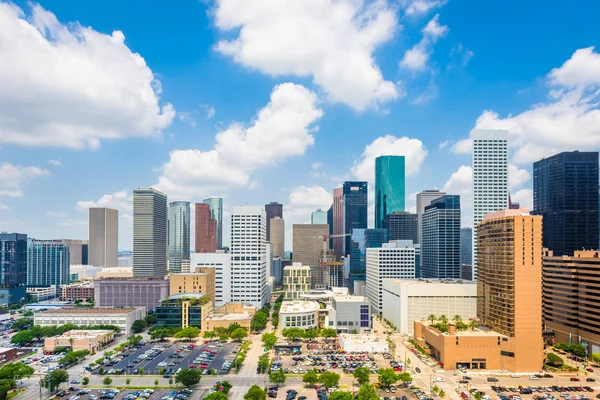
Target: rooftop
[[290, 307], [481, 331], [350, 298], [92, 310], [230, 317], [185, 295], [83, 334], [509, 212], [422, 281], [361, 339]]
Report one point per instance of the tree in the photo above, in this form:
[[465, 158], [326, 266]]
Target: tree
[[255, 393], [16, 371], [85, 381], [224, 386], [55, 378], [107, 381], [22, 337], [263, 362], [328, 333], [21, 324], [277, 377], [160, 334], [341, 395], [209, 335], [156, 382], [141, 371], [170, 381], [223, 337], [457, 318], [405, 377], [239, 334], [216, 396], [554, 360], [189, 332], [477, 395], [161, 371], [577, 349], [188, 377], [432, 318], [442, 394], [269, 340], [435, 389], [101, 371], [443, 319], [311, 377], [128, 381], [219, 330], [310, 334], [367, 392], [596, 357], [387, 377], [292, 333], [362, 375], [150, 319], [473, 325], [135, 339], [139, 325], [232, 328], [329, 379]]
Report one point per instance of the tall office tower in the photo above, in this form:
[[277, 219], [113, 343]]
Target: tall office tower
[[362, 239], [440, 250], [466, 253], [77, 250], [565, 193], [389, 187], [509, 285], [149, 233], [490, 178], [13, 267], [318, 217], [205, 235], [273, 209], [179, 234], [338, 221], [103, 245], [307, 243], [248, 255], [423, 200], [402, 226], [330, 223], [48, 263], [216, 210], [355, 204], [277, 226], [395, 259]]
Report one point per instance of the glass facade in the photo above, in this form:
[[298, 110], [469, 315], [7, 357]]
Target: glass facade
[[362, 239], [389, 187], [364, 316], [48, 263], [13, 266], [179, 234], [179, 313], [402, 226], [355, 204], [216, 210]]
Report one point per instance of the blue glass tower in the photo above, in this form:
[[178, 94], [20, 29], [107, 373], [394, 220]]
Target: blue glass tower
[[355, 200], [389, 187]]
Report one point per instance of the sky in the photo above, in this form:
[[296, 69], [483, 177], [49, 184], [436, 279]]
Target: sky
[[278, 100]]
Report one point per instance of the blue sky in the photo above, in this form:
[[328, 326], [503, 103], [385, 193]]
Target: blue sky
[[278, 101]]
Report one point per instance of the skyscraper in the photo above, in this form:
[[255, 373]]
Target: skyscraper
[[318, 217], [363, 239], [13, 267], [338, 221], [401, 226], [179, 234], [355, 204], [103, 245], [149, 233], [78, 250], [490, 178], [278, 236], [389, 187], [205, 235], [565, 193], [308, 243], [423, 200], [216, 209], [440, 250], [48, 263], [466, 253], [273, 209]]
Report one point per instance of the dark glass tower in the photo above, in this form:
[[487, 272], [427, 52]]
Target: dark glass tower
[[565, 193], [13, 267], [389, 187], [273, 209], [363, 239], [402, 226], [355, 205]]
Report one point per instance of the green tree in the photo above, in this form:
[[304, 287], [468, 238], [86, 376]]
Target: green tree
[[216, 396], [135, 339], [160, 334], [16, 371], [101, 371], [189, 332], [362, 375], [554, 360], [161, 371], [477, 395], [310, 334], [219, 330], [22, 337], [232, 328], [443, 319], [329, 379], [188, 377], [255, 393], [435, 389], [141, 371], [277, 377], [128, 381], [328, 333], [239, 334], [139, 325], [311, 377], [432, 318], [292, 333], [442, 394], [209, 335], [367, 392], [596, 357], [21, 324], [473, 325], [55, 378], [85, 381], [263, 362], [156, 382], [170, 381], [107, 381], [341, 395], [223, 337], [269, 340], [224, 386], [387, 377], [405, 377], [150, 319]]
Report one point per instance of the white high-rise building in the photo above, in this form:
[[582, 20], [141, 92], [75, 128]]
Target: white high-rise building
[[424, 199], [221, 262], [490, 177], [395, 259], [149, 233], [249, 255]]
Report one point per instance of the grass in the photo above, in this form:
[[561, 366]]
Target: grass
[[15, 393]]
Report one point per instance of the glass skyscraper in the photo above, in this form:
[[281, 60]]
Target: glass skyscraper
[[389, 187], [355, 204], [48, 263], [363, 239], [179, 234], [150, 238], [216, 209], [13, 267]]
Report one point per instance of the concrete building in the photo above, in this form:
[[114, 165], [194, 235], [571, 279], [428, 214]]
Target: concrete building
[[78, 250], [103, 246], [197, 282], [230, 313], [121, 317], [278, 236], [48, 263], [248, 256], [273, 209], [389, 187], [337, 226], [77, 291], [299, 314], [85, 272], [13, 267], [363, 343], [7, 355], [335, 274], [221, 263], [360, 288], [179, 234], [307, 243], [296, 280], [206, 229], [116, 292], [466, 253], [149, 233], [424, 199], [119, 272], [182, 310], [42, 293], [402, 226], [391, 260], [406, 301], [318, 217], [216, 212], [77, 340], [490, 178], [350, 314]]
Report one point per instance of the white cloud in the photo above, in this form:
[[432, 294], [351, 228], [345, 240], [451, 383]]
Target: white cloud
[[283, 128], [13, 176], [4, 207], [517, 177], [303, 200], [461, 52], [417, 7], [56, 163], [121, 200], [434, 30], [430, 93], [461, 183], [415, 59], [187, 117], [443, 145], [65, 85], [582, 69], [524, 197], [208, 110], [464, 146], [331, 41]]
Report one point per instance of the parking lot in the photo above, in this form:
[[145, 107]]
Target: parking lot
[[76, 393]]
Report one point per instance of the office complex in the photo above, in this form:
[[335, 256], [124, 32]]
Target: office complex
[[248, 255], [307, 243], [440, 248], [149, 233], [273, 209], [13, 267], [466, 253], [206, 229], [48, 263], [277, 225], [194, 282], [354, 215], [296, 280], [221, 263], [490, 178], [179, 234], [318, 217], [565, 193], [216, 212], [424, 199], [362, 239], [337, 243], [78, 250], [127, 292], [392, 260], [103, 245], [389, 187], [402, 226]]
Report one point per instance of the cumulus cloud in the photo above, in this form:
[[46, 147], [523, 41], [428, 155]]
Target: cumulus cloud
[[524, 197], [303, 200], [13, 176], [65, 85], [464, 146], [282, 129], [461, 183], [56, 163], [418, 7], [331, 41], [209, 110], [415, 59], [121, 200], [517, 177]]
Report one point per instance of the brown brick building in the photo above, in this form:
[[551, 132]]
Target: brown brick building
[[81, 292], [206, 229]]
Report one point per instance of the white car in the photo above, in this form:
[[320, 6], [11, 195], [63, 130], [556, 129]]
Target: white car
[[438, 379], [502, 371], [534, 378], [515, 376]]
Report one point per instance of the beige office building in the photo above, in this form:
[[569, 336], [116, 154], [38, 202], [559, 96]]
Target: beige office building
[[296, 280], [76, 340], [199, 282], [277, 228], [308, 243], [103, 246], [77, 250]]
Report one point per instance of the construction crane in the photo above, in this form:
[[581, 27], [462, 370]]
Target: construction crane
[[326, 239]]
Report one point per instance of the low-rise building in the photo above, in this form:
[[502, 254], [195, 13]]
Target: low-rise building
[[91, 340], [115, 272], [42, 293], [121, 317], [362, 343], [7, 355], [230, 313], [117, 292], [296, 280], [350, 314], [405, 301], [299, 314], [201, 281], [77, 291], [182, 310]]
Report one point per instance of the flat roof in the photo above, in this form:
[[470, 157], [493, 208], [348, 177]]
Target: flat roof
[[350, 298], [481, 331], [361, 339], [92, 310], [291, 307], [422, 281], [82, 334], [230, 317]]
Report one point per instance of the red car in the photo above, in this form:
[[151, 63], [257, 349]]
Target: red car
[[589, 370], [573, 379]]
